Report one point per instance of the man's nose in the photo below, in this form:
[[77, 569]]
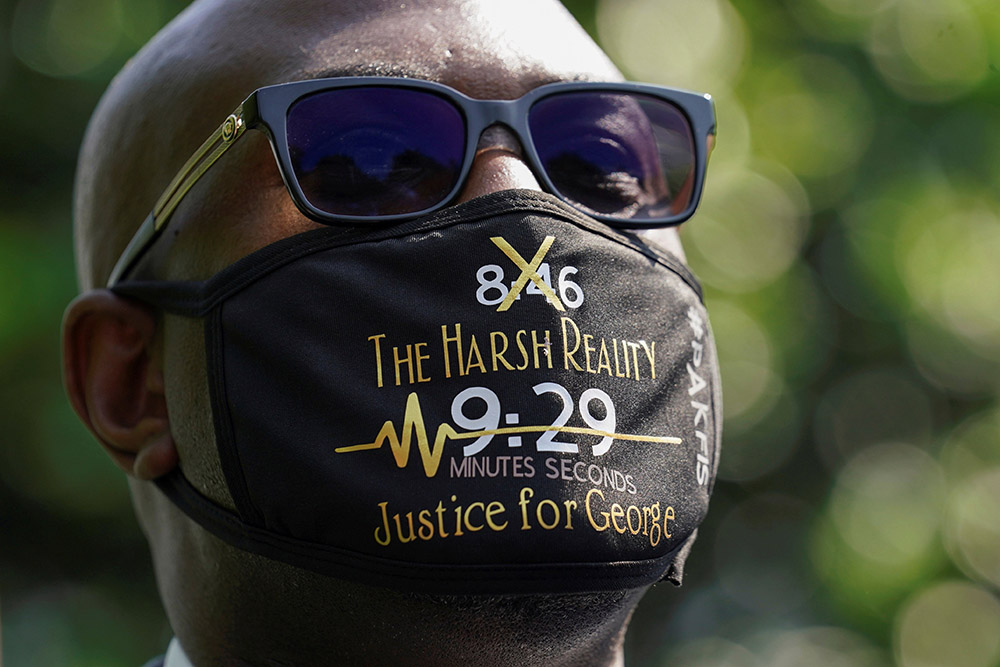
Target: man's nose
[[499, 165]]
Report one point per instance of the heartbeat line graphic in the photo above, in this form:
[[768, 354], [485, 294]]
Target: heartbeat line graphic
[[430, 455]]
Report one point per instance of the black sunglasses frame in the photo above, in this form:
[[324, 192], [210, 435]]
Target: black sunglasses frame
[[266, 109]]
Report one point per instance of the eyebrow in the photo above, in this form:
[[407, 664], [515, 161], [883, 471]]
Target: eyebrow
[[411, 72], [369, 69]]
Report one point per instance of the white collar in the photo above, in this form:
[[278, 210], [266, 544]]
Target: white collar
[[175, 655]]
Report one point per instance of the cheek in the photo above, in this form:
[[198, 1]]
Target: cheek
[[667, 237], [189, 406]]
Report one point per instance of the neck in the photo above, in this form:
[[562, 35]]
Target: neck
[[377, 627], [230, 607]]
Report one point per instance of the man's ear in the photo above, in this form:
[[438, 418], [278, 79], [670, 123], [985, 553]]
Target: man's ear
[[115, 382]]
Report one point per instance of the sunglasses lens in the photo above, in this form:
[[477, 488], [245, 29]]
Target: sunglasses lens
[[625, 155], [375, 150]]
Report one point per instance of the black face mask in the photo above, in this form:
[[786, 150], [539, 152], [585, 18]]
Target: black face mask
[[503, 397]]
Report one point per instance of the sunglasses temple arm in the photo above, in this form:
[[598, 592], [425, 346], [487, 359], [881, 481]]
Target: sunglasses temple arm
[[154, 224], [143, 238]]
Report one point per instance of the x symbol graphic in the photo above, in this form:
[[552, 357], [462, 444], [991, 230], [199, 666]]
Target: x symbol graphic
[[529, 271]]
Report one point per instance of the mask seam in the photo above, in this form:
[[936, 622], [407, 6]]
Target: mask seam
[[717, 407], [225, 444], [209, 293], [433, 577]]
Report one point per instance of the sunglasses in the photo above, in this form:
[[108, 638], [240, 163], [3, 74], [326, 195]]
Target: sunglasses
[[359, 150]]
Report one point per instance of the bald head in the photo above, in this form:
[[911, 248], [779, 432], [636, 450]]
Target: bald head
[[182, 85]]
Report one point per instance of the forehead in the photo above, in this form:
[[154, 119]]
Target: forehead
[[486, 50]]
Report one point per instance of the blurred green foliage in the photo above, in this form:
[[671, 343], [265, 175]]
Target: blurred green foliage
[[850, 247]]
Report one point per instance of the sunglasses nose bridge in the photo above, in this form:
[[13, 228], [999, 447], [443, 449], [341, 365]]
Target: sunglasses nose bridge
[[498, 161], [496, 119], [499, 137]]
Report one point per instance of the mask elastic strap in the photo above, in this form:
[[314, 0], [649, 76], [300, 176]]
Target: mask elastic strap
[[488, 579], [176, 297]]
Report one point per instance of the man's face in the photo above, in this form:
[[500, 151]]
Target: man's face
[[184, 85]]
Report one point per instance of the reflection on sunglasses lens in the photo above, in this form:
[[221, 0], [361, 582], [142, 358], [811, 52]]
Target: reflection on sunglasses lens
[[375, 151], [619, 154]]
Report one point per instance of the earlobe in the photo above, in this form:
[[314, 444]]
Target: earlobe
[[114, 383]]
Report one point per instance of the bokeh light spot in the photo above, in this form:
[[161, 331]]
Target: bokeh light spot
[[696, 45], [973, 535], [64, 38], [972, 447], [950, 267], [929, 51], [749, 229], [712, 652], [754, 390], [818, 647], [944, 40], [948, 362], [887, 503], [812, 116], [745, 352], [735, 150], [863, 589], [757, 440], [953, 624]]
